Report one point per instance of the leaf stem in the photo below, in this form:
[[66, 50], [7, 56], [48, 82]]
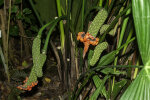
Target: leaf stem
[[50, 31], [62, 36], [136, 69], [100, 3]]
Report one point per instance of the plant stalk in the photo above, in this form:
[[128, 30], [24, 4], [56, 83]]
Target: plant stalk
[[7, 41], [100, 3], [62, 36], [50, 31]]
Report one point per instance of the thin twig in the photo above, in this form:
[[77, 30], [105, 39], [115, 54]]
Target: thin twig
[[57, 58], [32, 38], [8, 26]]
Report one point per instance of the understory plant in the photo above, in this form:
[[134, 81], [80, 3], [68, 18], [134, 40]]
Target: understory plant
[[96, 63], [94, 56], [39, 56], [139, 88]]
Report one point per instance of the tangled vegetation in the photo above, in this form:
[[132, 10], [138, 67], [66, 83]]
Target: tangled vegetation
[[74, 49]]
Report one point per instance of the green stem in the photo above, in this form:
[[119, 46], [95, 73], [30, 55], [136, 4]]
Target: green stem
[[125, 44], [129, 37], [123, 28], [136, 69], [66, 5], [46, 25], [63, 11], [110, 66], [50, 31], [62, 38], [100, 3], [42, 29]]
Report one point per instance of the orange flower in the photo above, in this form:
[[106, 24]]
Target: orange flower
[[81, 36], [25, 80], [29, 87], [87, 39]]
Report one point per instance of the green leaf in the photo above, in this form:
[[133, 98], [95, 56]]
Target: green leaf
[[99, 89], [107, 71], [141, 17], [140, 88], [117, 88], [111, 71], [107, 59], [97, 81]]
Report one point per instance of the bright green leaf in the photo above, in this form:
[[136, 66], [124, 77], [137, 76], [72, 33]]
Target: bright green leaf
[[111, 71], [97, 81], [140, 88], [99, 89], [141, 17], [117, 88], [107, 59]]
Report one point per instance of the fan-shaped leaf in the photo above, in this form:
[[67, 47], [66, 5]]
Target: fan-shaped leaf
[[141, 15], [140, 88]]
